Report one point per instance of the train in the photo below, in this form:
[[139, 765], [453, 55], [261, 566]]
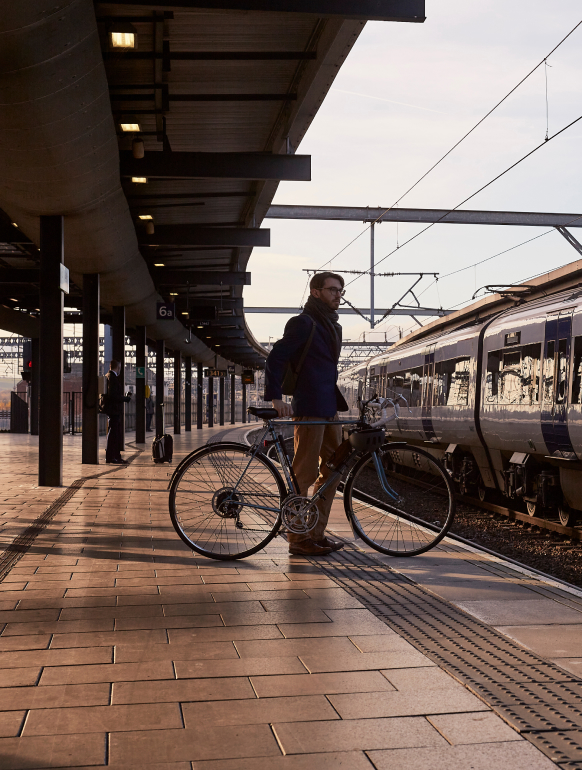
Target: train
[[495, 393]]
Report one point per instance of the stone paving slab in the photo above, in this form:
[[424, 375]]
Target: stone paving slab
[[121, 648]]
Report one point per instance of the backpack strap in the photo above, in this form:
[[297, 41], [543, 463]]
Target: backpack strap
[[306, 348]]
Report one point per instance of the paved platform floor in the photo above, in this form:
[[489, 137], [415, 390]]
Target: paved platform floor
[[120, 647]]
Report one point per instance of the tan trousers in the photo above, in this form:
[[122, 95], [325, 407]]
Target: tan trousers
[[314, 445]]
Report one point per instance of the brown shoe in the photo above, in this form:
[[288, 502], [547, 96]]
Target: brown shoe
[[308, 548], [335, 545]]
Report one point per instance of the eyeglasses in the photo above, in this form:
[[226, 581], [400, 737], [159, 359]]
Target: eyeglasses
[[334, 290]]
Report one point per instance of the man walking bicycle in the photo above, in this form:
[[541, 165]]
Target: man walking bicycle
[[311, 347]]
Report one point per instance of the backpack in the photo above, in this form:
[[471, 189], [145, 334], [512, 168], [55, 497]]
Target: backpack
[[292, 375]]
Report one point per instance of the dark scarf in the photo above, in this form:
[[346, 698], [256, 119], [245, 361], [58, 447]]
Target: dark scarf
[[328, 318]]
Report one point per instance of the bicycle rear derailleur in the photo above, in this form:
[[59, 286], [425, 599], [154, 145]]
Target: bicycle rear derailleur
[[298, 514]]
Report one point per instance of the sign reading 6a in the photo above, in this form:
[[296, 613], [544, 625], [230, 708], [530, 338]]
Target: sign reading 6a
[[165, 311]]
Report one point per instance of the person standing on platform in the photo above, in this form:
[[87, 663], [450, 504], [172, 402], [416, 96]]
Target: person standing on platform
[[115, 401], [316, 337], [150, 410]]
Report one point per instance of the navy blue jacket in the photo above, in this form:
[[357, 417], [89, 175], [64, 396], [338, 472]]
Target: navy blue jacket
[[316, 394]]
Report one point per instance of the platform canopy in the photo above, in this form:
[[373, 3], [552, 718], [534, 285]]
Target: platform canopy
[[165, 127]]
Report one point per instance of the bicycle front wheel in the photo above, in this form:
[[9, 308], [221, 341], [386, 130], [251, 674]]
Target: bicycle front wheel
[[225, 503], [412, 514]]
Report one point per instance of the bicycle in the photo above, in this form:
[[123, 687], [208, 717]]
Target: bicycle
[[229, 500]]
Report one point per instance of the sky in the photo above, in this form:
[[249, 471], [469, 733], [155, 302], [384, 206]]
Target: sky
[[404, 96]]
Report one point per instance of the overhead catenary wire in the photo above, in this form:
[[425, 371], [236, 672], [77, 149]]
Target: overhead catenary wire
[[483, 187], [454, 147]]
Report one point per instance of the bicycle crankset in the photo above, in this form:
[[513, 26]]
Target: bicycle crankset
[[226, 503], [299, 515]]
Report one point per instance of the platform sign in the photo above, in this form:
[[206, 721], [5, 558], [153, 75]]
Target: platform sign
[[140, 372], [248, 377], [215, 372], [230, 369], [165, 311]]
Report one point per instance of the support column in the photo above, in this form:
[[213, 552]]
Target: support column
[[199, 396], [90, 434], [50, 423], [118, 352], [177, 390], [160, 355], [34, 386], [372, 266], [232, 399], [244, 402], [221, 399], [211, 402], [188, 393], [140, 384]]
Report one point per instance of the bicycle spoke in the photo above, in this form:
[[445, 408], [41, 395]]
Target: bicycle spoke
[[226, 502], [419, 518]]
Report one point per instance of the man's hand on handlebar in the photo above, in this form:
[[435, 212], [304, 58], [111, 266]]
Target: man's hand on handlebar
[[283, 409]]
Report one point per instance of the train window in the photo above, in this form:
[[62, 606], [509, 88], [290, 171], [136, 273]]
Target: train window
[[577, 372], [416, 387], [549, 366], [513, 376], [562, 372], [451, 384]]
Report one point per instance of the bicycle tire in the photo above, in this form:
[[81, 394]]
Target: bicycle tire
[[423, 512], [225, 520]]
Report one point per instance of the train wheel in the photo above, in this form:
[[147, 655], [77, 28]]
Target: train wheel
[[568, 516], [533, 509]]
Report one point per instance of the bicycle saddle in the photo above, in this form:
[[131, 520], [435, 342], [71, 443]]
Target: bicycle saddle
[[264, 412]]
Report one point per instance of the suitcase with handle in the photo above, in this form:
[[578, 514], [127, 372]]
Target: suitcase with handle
[[163, 449]]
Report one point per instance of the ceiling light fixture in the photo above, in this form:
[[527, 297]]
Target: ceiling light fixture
[[122, 36], [173, 294], [159, 264], [139, 179], [130, 124], [13, 224], [145, 216]]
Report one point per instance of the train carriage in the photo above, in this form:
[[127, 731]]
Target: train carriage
[[498, 398]]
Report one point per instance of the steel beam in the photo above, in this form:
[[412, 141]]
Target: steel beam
[[90, 434], [34, 386], [14, 275], [188, 393], [177, 391], [190, 235], [244, 402], [50, 424], [140, 385], [204, 56], [364, 10], [118, 352], [160, 355], [420, 311], [218, 165], [199, 395], [221, 400], [162, 276], [420, 216], [210, 395], [232, 399]]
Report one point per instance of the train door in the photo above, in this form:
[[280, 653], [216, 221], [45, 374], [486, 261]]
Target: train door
[[427, 392], [555, 381]]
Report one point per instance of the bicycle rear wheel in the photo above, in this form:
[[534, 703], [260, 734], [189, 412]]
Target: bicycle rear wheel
[[415, 517], [225, 503]]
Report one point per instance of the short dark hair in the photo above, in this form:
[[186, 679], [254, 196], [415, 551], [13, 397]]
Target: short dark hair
[[114, 363], [320, 278]]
